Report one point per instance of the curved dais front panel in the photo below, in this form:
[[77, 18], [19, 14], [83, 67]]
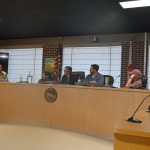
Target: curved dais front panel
[[91, 110]]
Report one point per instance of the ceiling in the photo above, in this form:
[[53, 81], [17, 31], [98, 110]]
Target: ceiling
[[47, 18]]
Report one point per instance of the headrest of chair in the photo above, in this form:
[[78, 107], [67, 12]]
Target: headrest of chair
[[110, 78], [78, 74]]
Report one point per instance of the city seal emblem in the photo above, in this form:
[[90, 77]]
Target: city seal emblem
[[50, 95]]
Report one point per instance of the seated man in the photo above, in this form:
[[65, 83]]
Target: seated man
[[44, 78], [68, 77], [3, 74], [94, 78], [134, 80], [52, 77]]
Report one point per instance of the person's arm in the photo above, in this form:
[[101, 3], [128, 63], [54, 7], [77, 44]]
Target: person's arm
[[64, 80], [98, 81], [93, 81], [86, 81], [5, 76], [72, 79], [130, 80], [101, 80]]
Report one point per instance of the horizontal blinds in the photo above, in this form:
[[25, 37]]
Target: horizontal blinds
[[21, 61], [107, 57]]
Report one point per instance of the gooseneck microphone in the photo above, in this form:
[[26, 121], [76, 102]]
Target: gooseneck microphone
[[132, 119], [116, 78]]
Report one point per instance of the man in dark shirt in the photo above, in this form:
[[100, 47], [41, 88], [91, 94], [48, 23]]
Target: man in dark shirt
[[94, 78], [68, 77], [47, 78], [44, 78]]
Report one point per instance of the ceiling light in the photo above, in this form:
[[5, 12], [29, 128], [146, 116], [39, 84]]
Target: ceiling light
[[135, 4]]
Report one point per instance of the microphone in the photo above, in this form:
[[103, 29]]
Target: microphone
[[116, 78], [132, 119]]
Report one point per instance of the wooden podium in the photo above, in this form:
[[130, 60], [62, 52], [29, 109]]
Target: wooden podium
[[133, 136]]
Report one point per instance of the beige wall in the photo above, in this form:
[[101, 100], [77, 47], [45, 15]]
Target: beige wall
[[70, 41]]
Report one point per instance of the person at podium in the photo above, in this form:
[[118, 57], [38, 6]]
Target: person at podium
[[134, 80], [68, 77], [3, 74], [94, 78]]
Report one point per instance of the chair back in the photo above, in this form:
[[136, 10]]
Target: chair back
[[144, 81], [78, 74], [108, 80]]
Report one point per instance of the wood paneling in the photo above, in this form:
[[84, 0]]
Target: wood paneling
[[133, 136], [90, 110]]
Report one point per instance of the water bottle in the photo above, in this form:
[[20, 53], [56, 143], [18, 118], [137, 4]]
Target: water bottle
[[79, 80], [29, 78]]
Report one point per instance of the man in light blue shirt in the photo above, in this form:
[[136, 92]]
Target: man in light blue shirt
[[94, 78]]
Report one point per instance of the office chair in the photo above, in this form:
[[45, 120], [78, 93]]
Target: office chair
[[78, 74], [144, 82], [109, 79]]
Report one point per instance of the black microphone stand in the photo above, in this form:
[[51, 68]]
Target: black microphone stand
[[148, 109], [132, 119]]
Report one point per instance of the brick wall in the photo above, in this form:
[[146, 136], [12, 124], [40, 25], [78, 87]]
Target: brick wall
[[137, 58], [53, 50]]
